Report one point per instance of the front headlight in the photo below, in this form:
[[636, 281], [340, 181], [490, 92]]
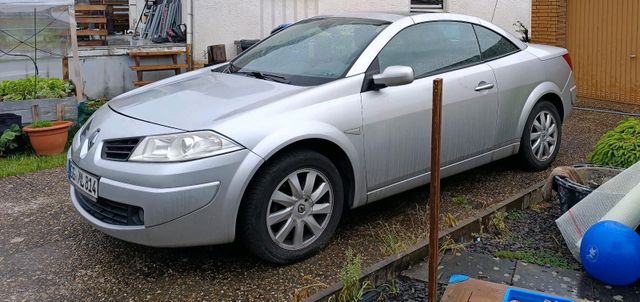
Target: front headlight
[[182, 146]]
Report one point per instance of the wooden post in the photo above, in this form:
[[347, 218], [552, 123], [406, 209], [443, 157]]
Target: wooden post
[[65, 68], [189, 57], [434, 192], [60, 112], [35, 113], [76, 56]]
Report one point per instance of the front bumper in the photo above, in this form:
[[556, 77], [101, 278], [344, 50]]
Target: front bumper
[[200, 214], [183, 204]]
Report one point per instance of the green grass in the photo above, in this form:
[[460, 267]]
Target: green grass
[[539, 258], [26, 163]]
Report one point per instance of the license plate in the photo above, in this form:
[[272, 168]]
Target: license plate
[[83, 181]]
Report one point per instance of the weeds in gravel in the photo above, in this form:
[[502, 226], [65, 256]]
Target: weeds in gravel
[[388, 290], [352, 288], [539, 258], [398, 238], [305, 292], [514, 214], [450, 221], [498, 225], [448, 244], [461, 201], [540, 207], [395, 239]]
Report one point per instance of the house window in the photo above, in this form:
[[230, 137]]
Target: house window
[[426, 5]]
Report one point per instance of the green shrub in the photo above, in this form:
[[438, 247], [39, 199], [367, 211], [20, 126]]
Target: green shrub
[[95, 104], [34, 88], [41, 124], [619, 147], [9, 139]]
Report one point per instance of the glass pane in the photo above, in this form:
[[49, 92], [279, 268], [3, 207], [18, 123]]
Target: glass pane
[[417, 5], [492, 44], [432, 47], [321, 49]]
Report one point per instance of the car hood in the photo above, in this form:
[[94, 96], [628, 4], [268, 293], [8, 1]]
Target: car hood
[[197, 100]]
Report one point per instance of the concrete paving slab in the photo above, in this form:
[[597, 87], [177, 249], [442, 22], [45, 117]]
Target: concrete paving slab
[[618, 293], [419, 272], [479, 266], [566, 283]]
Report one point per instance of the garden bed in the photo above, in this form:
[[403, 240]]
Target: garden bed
[[47, 108], [530, 235]]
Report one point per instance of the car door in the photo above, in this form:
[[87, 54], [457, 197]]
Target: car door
[[397, 120]]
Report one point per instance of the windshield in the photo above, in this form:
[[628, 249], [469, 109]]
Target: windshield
[[310, 52]]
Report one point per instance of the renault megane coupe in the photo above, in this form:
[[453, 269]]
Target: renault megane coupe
[[327, 115]]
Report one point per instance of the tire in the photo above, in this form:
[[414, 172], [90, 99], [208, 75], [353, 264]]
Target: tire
[[269, 241], [547, 137]]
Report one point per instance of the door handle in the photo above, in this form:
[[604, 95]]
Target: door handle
[[484, 86]]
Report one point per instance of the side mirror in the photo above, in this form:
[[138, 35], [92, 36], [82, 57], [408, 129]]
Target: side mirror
[[394, 76]]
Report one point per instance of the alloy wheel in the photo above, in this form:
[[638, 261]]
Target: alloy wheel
[[299, 209], [543, 135]]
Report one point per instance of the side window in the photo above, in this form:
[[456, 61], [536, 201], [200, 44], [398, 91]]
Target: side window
[[432, 47], [492, 44]]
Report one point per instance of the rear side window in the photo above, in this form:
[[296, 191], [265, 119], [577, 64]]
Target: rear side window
[[432, 47], [492, 44]]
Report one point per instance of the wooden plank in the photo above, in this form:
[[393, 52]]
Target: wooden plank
[[92, 43], [90, 20], [90, 7], [142, 83], [159, 53], [92, 32], [158, 67]]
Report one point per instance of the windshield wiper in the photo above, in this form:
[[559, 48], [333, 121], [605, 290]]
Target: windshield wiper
[[267, 76], [232, 68]]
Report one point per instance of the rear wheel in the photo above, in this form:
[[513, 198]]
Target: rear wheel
[[541, 138], [292, 207]]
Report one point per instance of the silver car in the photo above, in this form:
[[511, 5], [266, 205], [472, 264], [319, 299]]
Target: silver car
[[329, 114]]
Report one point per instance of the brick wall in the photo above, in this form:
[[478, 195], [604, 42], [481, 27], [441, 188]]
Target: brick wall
[[549, 22]]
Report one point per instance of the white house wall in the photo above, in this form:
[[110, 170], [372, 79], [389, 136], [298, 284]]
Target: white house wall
[[507, 12], [225, 21]]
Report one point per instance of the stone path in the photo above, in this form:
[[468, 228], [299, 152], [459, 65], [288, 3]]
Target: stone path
[[567, 283]]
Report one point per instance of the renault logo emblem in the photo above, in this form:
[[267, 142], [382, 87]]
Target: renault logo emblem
[[93, 137]]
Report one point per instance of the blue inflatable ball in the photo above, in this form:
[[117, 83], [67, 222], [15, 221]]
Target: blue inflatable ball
[[610, 252]]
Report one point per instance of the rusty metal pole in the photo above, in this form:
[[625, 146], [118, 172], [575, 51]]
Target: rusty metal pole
[[434, 192]]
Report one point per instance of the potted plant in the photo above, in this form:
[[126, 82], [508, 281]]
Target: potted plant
[[48, 137]]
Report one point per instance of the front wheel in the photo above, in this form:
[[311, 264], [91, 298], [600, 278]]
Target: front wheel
[[292, 207], [541, 138]]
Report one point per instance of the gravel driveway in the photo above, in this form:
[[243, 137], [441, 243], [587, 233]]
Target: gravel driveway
[[48, 254]]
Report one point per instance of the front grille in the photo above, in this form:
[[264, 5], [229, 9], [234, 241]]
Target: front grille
[[119, 149], [111, 212]]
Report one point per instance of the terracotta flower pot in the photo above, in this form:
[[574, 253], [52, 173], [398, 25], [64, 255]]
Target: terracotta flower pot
[[49, 140]]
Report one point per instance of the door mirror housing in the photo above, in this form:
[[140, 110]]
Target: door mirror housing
[[394, 76]]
